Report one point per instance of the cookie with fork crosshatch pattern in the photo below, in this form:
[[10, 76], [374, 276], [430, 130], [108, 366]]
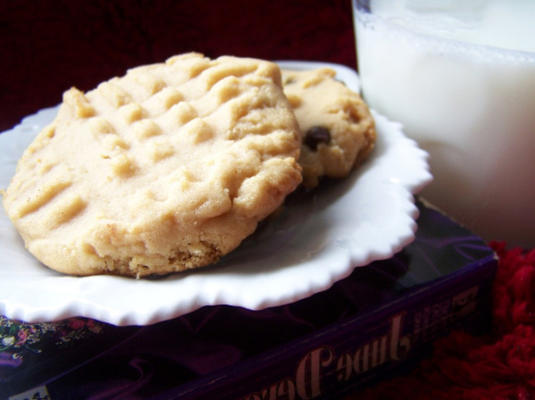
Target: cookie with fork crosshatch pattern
[[164, 169]]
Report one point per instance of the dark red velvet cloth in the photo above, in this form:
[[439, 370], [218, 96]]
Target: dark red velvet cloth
[[48, 46]]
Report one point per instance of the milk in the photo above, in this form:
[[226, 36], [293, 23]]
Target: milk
[[460, 77]]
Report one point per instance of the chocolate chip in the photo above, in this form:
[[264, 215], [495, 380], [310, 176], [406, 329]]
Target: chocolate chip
[[316, 135], [289, 81]]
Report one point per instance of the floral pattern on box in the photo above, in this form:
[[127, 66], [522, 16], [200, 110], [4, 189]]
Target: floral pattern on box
[[17, 339]]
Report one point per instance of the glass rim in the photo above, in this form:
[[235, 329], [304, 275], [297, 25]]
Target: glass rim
[[362, 8]]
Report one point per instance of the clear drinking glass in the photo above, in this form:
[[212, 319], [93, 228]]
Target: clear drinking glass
[[460, 77]]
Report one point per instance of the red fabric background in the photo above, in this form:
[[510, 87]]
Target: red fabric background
[[49, 46]]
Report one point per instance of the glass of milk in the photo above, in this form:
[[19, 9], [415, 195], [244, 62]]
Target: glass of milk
[[460, 76]]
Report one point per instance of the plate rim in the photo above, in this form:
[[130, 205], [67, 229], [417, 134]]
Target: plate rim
[[80, 309]]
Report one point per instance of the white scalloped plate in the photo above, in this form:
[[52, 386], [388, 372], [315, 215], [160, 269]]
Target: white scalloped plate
[[315, 241]]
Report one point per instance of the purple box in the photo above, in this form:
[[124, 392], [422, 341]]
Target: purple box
[[367, 326]]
